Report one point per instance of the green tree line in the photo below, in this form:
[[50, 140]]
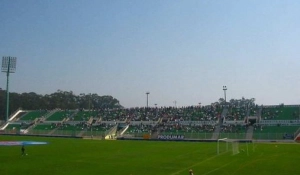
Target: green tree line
[[59, 99]]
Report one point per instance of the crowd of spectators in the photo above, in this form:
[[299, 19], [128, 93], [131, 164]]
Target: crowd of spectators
[[172, 114], [233, 128], [239, 113], [179, 128], [169, 119], [141, 128], [174, 120], [189, 113]]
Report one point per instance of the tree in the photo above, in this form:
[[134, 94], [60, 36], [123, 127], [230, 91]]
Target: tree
[[59, 99]]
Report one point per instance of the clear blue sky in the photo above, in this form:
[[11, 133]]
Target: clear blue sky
[[182, 51]]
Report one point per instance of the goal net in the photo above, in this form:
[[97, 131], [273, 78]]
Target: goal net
[[227, 145]]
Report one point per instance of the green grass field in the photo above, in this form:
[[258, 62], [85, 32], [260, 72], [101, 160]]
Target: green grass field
[[79, 157]]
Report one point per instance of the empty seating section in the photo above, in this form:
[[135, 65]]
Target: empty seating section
[[274, 132], [69, 129], [13, 127], [16, 127], [281, 113], [42, 129], [83, 115], [60, 115], [32, 115]]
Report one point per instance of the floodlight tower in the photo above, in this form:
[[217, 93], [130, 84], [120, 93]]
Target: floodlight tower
[[8, 66], [224, 89], [147, 93], [155, 110]]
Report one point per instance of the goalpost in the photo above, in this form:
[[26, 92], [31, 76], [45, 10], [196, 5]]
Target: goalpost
[[227, 145]]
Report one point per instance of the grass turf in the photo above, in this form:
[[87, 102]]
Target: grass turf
[[78, 157]]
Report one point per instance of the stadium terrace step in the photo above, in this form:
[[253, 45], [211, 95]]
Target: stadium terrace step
[[223, 116], [53, 131], [111, 134], [90, 121], [216, 133], [249, 133], [81, 133], [218, 126]]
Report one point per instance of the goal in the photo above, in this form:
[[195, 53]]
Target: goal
[[227, 145]]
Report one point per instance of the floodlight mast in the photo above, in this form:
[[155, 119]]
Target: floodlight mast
[[8, 66], [225, 89], [147, 93]]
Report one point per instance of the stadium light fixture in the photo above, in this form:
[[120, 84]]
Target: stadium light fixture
[[8, 66]]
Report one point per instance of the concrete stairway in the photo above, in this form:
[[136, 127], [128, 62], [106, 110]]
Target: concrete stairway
[[223, 116], [249, 134], [216, 133]]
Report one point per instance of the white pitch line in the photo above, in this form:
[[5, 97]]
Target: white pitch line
[[195, 164], [217, 168]]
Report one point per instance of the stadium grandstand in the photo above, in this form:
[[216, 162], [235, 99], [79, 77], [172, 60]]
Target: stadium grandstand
[[279, 122]]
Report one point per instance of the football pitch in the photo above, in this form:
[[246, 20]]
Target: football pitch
[[120, 157]]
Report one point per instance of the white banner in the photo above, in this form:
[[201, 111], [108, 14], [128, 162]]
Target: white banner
[[170, 137]]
